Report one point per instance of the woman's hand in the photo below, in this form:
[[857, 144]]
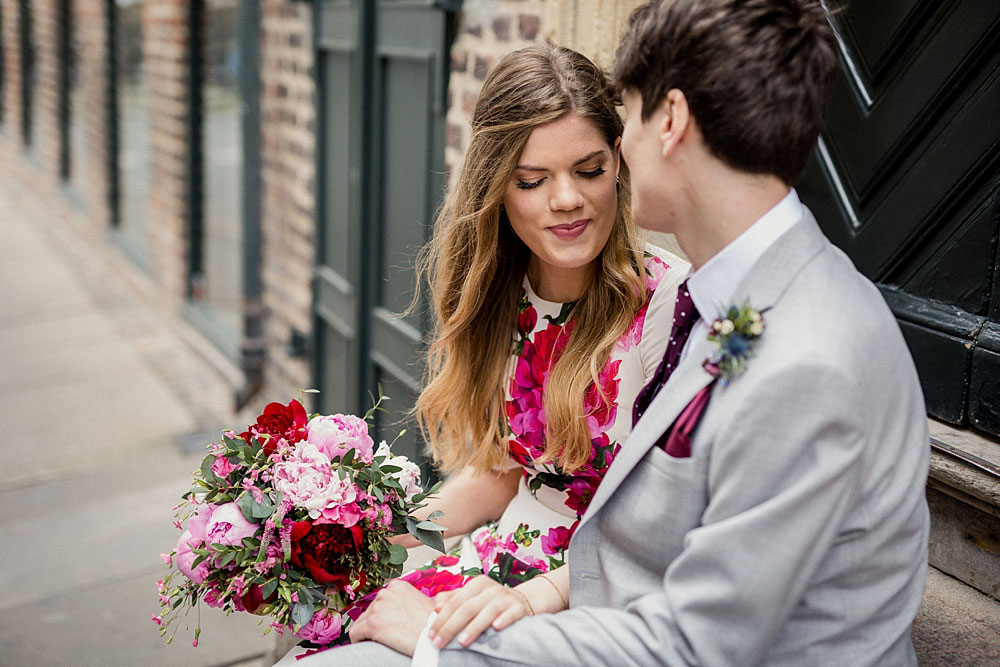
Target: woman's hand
[[395, 617], [469, 610]]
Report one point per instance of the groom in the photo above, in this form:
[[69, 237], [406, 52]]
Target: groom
[[775, 515]]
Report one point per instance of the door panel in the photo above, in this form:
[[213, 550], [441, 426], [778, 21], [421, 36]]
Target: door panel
[[337, 287], [383, 81], [905, 180]]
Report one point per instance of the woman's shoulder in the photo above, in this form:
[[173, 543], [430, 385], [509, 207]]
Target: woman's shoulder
[[663, 268]]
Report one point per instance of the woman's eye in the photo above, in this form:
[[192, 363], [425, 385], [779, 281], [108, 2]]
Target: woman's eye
[[593, 173], [527, 185]]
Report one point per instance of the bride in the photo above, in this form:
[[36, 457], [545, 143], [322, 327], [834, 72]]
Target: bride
[[550, 317]]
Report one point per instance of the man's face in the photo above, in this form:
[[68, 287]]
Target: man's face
[[641, 150]]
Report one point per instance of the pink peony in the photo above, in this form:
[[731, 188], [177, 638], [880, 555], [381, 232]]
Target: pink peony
[[185, 558], [334, 435], [198, 522], [322, 628], [229, 526], [307, 481]]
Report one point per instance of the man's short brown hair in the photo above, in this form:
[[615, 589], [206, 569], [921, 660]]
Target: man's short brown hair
[[756, 74]]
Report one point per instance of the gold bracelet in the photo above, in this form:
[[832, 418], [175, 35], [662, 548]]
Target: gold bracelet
[[562, 598], [531, 612]]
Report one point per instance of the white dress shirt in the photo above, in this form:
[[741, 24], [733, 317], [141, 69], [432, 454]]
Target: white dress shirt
[[711, 287]]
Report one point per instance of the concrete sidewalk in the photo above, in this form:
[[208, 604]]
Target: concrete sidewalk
[[97, 397]]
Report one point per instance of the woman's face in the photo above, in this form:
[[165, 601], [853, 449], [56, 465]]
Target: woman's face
[[561, 202]]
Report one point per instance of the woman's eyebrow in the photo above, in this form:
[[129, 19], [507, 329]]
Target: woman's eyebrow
[[589, 156]]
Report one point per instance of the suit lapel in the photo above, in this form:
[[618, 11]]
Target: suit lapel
[[681, 388], [763, 286]]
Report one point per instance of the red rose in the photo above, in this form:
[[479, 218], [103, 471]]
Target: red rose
[[279, 421], [321, 548]]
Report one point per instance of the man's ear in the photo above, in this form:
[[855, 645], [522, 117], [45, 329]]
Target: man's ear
[[675, 118]]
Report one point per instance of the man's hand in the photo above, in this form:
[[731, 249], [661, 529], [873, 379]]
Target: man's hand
[[469, 610], [395, 618]]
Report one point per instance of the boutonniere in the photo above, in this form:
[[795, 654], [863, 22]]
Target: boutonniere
[[735, 334]]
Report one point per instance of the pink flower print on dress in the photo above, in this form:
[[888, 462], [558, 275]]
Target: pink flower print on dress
[[656, 268], [601, 406], [557, 539]]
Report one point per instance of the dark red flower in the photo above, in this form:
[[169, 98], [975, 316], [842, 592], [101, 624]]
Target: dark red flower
[[321, 548], [278, 421], [526, 320], [252, 598]]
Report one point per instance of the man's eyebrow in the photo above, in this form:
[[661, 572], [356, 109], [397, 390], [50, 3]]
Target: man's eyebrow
[[585, 158]]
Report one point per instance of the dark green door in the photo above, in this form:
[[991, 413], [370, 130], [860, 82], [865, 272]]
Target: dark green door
[[906, 178], [382, 77]]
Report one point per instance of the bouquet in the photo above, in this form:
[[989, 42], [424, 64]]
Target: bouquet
[[291, 519]]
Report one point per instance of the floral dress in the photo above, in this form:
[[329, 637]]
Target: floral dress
[[533, 534]]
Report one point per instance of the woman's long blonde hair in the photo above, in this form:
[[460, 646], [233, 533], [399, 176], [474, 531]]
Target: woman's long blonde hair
[[475, 266]]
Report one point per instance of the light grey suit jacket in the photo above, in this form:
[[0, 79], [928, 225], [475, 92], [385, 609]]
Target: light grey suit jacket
[[795, 534]]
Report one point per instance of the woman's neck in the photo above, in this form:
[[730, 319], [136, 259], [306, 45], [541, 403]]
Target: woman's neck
[[557, 284]]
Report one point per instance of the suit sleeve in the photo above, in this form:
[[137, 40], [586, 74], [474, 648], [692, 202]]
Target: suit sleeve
[[779, 490]]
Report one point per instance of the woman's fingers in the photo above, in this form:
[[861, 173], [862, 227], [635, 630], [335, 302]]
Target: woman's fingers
[[468, 611]]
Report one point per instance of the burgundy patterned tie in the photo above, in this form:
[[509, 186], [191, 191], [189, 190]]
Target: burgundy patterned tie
[[685, 315]]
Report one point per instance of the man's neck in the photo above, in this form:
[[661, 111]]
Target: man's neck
[[721, 207]]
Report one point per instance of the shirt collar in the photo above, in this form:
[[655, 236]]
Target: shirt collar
[[711, 287]]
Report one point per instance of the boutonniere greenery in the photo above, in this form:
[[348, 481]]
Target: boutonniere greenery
[[735, 333]]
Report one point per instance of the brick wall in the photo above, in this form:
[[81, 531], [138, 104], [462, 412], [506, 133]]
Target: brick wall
[[166, 44], [288, 129], [487, 30], [39, 167]]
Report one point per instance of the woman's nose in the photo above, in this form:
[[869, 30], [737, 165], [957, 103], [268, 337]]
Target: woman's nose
[[566, 196]]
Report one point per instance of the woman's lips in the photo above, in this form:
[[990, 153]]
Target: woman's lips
[[571, 230]]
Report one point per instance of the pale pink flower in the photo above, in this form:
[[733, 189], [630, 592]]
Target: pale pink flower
[[307, 480], [322, 628], [335, 435], [166, 559], [185, 559], [199, 520], [408, 477], [229, 526]]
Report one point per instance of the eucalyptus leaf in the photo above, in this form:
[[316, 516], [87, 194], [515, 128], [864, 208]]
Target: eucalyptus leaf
[[431, 538], [430, 525], [397, 554], [268, 588], [302, 613], [436, 514], [348, 458], [206, 467]]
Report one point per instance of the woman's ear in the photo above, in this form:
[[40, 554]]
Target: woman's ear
[[675, 118]]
